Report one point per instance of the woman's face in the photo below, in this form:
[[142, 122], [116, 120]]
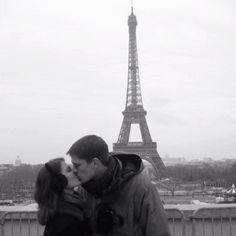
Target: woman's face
[[67, 171]]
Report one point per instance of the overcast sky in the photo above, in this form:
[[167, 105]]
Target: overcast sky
[[64, 67]]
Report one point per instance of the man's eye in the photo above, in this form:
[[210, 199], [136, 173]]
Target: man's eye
[[68, 168]]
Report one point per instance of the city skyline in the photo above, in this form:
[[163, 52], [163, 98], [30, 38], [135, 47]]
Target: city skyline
[[64, 65]]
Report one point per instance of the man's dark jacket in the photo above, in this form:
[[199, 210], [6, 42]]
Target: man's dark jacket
[[132, 202]]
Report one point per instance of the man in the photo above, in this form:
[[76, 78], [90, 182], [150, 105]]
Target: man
[[124, 202]]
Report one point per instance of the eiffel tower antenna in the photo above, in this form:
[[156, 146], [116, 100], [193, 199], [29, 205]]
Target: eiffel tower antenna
[[134, 112]]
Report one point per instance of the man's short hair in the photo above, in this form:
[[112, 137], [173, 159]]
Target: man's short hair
[[88, 147]]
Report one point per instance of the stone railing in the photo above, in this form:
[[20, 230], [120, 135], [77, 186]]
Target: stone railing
[[205, 221]]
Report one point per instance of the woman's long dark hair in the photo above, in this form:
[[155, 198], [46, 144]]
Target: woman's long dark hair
[[44, 195]]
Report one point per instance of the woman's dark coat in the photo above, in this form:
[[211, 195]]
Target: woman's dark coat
[[65, 225], [68, 221]]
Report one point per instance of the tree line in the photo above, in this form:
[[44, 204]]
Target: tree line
[[18, 181], [224, 175]]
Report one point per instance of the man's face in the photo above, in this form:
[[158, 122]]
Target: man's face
[[84, 170]]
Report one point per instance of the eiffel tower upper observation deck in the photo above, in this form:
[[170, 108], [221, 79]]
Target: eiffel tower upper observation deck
[[134, 112]]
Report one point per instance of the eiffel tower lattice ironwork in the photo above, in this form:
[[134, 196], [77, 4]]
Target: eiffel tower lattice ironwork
[[134, 112]]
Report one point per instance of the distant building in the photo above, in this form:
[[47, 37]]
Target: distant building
[[18, 161], [8, 167], [195, 162], [5, 168], [208, 160], [229, 161], [172, 161]]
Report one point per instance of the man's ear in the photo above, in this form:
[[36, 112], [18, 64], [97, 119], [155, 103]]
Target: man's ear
[[96, 162]]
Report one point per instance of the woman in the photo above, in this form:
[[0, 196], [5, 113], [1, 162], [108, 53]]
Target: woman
[[59, 208]]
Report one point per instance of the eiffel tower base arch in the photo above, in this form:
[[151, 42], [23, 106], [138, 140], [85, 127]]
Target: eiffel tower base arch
[[145, 151]]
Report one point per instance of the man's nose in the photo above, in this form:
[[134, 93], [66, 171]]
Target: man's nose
[[75, 170]]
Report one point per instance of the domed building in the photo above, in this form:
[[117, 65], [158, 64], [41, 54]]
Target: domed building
[[18, 161]]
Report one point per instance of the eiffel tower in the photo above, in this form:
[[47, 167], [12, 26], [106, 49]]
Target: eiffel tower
[[134, 112]]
